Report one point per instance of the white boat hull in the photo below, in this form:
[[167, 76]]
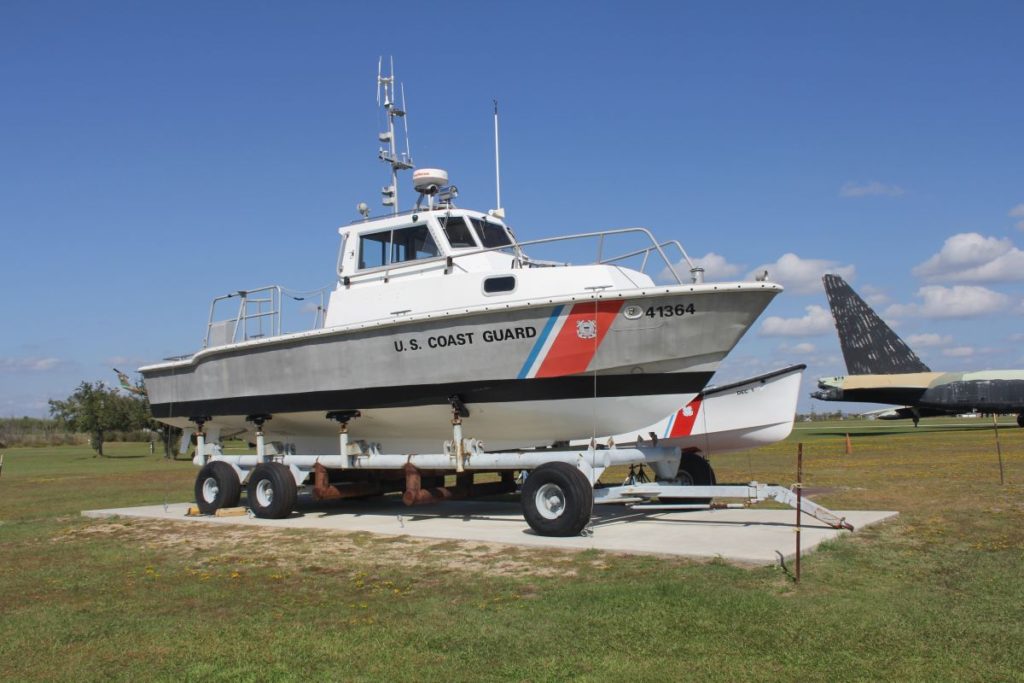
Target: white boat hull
[[747, 414]]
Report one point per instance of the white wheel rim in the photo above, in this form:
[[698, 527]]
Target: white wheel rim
[[211, 489], [264, 493], [550, 501]]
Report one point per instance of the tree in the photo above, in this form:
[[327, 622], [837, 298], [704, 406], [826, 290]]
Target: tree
[[137, 390], [95, 408]]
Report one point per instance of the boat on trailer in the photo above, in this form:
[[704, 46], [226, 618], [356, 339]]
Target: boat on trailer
[[446, 337]]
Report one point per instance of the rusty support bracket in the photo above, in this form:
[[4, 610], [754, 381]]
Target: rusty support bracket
[[464, 487]]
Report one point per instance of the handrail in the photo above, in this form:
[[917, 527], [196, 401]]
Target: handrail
[[522, 259], [253, 308], [600, 235]]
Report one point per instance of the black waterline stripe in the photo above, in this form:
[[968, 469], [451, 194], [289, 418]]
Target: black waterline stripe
[[486, 391]]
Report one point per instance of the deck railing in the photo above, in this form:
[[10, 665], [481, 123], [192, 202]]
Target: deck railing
[[260, 313], [522, 260]]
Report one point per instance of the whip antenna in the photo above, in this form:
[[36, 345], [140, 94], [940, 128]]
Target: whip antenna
[[498, 211]]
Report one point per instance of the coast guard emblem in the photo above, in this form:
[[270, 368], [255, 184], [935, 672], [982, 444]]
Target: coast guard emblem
[[586, 329]]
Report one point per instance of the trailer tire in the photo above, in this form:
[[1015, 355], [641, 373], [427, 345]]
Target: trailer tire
[[271, 491], [557, 500], [217, 487], [694, 470]]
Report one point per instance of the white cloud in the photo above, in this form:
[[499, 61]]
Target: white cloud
[[874, 295], [817, 321], [805, 347], [1018, 212], [959, 301], [871, 188], [28, 364], [716, 267], [959, 352], [928, 339], [800, 275], [970, 257]]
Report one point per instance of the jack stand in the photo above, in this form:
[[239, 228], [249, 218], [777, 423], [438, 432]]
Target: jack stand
[[342, 417], [459, 411], [201, 456], [261, 446], [457, 439]]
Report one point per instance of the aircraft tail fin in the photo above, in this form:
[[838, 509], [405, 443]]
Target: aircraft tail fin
[[870, 347]]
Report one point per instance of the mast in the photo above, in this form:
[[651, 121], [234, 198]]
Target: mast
[[388, 151]]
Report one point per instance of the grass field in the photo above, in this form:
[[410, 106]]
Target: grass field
[[935, 595]]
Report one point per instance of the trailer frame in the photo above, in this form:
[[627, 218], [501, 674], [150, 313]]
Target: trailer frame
[[558, 486]]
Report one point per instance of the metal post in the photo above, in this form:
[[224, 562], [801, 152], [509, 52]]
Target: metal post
[[457, 437], [201, 442], [260, 445], [799, 500], [343, 443], [342, 417], [999, 449]]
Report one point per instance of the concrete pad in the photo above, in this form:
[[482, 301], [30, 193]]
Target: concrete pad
[[748, 536]]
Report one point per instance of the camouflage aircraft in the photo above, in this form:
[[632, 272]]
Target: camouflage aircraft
[[883, 369]]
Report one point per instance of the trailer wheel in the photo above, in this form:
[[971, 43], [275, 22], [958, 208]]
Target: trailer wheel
[[217, 486], [557, 500], [271, 491], [694, 470]]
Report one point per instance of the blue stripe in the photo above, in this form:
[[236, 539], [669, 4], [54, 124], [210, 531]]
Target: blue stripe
[[540, 342], [671, 422]]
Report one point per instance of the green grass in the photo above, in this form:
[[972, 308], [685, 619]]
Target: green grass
[[934, 595]]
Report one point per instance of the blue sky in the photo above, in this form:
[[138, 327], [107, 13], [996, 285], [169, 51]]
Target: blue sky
[[155, 155]]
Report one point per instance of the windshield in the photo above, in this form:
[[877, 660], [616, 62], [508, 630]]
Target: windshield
[[457, 232], [491, 234]]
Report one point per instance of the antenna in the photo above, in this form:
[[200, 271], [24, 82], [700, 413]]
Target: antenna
[[387, 152], [498, 211], [405, 122]]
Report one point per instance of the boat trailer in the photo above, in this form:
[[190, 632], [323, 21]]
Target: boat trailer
[[558, 486]]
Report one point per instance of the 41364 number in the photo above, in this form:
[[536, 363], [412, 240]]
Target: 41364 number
[[670, 311]]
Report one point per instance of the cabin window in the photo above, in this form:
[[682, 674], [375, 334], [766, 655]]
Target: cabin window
[[373, 249], [396, 246], [457, 232], [491, 234], [411, 244], [497, 285]]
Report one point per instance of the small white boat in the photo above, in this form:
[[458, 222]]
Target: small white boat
[[746, 414]]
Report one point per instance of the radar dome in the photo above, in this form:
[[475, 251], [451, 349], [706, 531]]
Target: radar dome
[[429, 180]]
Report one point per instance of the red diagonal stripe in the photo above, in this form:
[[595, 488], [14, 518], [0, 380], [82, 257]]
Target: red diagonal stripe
[[569, 354], [683, 426]]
